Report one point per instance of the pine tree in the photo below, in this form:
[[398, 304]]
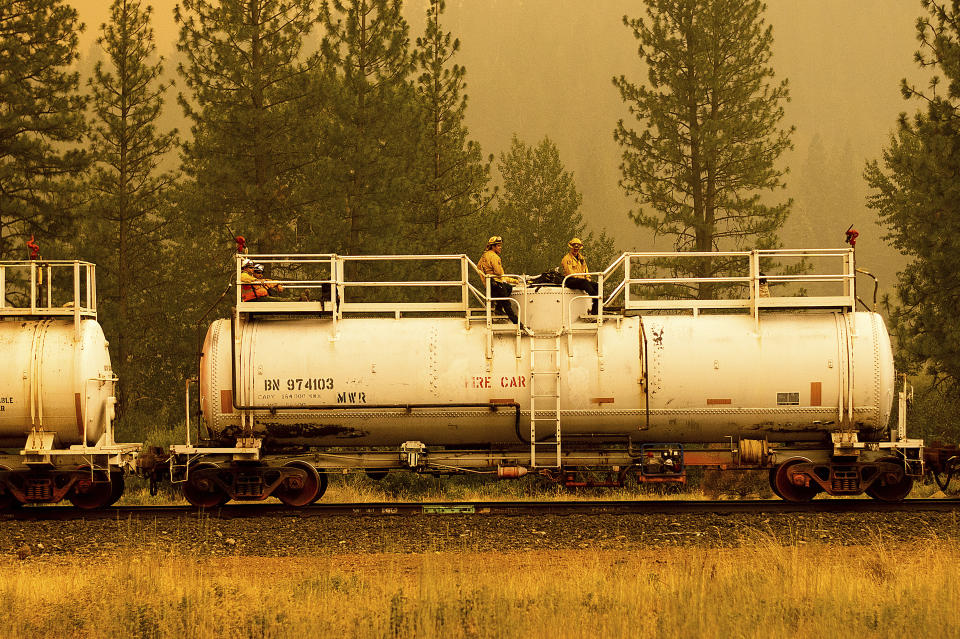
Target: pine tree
[[125, 226], [539, 211], [454, 188], [41, 118], [704, 163], [252, 147], [370, 134], [916, 195]]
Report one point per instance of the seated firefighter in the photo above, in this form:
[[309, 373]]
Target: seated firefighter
[[491, 266], [250, 288], [272, 287], [267, 290], [254, 288], [574, 264]]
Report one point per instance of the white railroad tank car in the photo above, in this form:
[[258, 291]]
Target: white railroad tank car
[[656, 378], [800, 385], [54, 379], [57, 398]]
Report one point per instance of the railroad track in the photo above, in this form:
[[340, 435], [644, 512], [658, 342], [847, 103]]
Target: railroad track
[[480, 508]]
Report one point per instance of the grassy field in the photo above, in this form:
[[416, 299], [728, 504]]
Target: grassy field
[[772, 589]]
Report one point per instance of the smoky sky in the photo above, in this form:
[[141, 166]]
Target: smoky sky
[[544, 67]]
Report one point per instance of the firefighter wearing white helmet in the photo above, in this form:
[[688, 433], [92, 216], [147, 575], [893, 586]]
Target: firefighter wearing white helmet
[[249, 289], [491, 266], [268, 290], [574, 265]]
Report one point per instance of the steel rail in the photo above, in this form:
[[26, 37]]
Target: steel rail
[[480, 508]]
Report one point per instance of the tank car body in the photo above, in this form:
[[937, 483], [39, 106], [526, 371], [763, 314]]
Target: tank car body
[[665, 378], [803, 386], [56, 390], [55, 379]]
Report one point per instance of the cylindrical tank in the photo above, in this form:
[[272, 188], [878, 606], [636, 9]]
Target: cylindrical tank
[[53, 379], [549, 308], [664, 378]]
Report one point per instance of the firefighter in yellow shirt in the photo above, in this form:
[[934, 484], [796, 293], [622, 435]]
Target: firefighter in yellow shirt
[[268, 290], [250, 288], [491, 266], [574, 263]]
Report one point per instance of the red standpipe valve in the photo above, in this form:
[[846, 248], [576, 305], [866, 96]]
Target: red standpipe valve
[[852, 235], [34, 248]]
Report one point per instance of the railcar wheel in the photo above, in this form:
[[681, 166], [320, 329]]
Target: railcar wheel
[[90, 495], [891, 491], [203, 492], [773, 483], [117, 485], [310, 491], [783, 483]]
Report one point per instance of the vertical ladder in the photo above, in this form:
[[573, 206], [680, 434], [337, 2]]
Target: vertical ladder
[[544, 392]]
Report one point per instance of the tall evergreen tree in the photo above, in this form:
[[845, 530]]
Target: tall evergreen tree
[[251, 151], [539, 211], [371, 129], [454, 188], [41, 116], [703, 164], [124, 228], [917, 196]]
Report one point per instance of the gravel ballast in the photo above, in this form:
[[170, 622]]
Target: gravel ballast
[[292, 535]]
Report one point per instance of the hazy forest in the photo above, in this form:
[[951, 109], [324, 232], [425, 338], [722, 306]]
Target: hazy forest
[[343, 126]]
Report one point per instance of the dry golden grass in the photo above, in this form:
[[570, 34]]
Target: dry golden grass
[[769, 590]]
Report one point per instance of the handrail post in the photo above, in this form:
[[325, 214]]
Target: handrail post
[[600, 299], [86, 279], [236, 280], [76, 300], [850, 289], [337, 289], [486, 304], [33, 288], [93, 287], [626, 282], [599, 313], [464, 277], [486, 301]]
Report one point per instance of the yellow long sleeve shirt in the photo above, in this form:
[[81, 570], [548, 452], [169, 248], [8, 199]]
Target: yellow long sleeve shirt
[[491, 265], [573, 265]]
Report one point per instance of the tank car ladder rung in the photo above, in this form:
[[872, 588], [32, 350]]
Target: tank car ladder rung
[[545, 395]]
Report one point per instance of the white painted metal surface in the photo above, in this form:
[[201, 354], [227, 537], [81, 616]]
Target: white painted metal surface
[[550, 308], [54, 378], [785, 376]]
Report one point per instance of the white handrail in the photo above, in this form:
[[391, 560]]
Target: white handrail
[[35, 279], [340, 285]]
